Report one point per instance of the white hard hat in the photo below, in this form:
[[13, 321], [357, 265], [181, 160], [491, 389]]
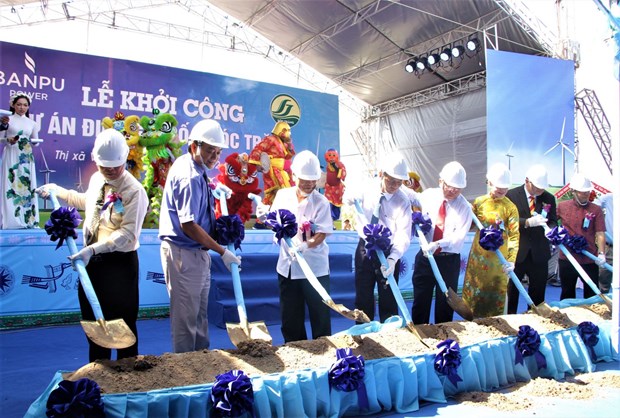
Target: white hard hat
[[580, 183], [110, 149], [453, 174], [537, 174], [394, 165], [306, 166], [210, 132], [499, 176]]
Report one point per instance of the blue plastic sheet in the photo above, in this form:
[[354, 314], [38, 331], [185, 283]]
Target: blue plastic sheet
[[396, 383]]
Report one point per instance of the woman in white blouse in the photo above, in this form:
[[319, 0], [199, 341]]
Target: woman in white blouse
[[19, 207]]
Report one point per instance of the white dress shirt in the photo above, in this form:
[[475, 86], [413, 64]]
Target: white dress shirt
[[316, 209], [395, 214], [457, 222]]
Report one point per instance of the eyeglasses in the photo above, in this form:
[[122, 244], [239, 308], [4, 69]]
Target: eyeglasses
[[449, 188], [392, 181]]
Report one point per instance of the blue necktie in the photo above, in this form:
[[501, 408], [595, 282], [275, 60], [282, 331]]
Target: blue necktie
[[210, 209], [375, 214]]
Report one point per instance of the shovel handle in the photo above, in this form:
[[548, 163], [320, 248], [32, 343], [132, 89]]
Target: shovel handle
[[234, 270], [431, 259], [576, 265], [402, 306], [81, 268], [502, 259], [309, 273], [595, 258], [579, 269]]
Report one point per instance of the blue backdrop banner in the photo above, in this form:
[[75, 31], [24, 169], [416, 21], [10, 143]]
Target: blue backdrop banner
[[71, 94]]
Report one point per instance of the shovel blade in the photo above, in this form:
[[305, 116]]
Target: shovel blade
[[543, 309], [456, 303], [355, 314], [606, 300], [109, 334], [415, 332], [254, 331]]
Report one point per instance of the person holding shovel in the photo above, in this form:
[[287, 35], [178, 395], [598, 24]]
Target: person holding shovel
[[531, 199], [115, 205], [313, 213], [186, 228], [385, 204], [581, 217], [451, 216], [485, 284]]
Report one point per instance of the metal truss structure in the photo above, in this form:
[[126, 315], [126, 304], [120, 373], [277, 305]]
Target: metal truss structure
[[218, 30]]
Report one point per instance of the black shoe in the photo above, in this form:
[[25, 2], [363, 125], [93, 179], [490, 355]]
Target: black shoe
[[553, 281], [259, 225]]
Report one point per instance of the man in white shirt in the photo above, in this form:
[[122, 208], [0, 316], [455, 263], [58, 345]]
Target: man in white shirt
[[389, 206], [312, 211], [451, 216], [115, 205]]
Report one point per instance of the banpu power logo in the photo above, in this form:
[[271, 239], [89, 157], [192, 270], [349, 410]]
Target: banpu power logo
[[285, 108], [34, 85]]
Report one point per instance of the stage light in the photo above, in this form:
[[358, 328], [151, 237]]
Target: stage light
[[410, 66], [457, 51], [473, 44], [421, 63], [445, 54], [433, 58]]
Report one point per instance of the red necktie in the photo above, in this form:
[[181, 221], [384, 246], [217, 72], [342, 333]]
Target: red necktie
[[532, 205], [439, 225]]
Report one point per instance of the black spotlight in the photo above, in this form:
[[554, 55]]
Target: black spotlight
[[457, 51], [410, 66], [473, 44], [445, 54], [433, 58], [421, 63]]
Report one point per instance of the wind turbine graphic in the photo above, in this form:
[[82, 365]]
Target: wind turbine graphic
[[78, 185], [46, 172], [564, 148], [509, 155]]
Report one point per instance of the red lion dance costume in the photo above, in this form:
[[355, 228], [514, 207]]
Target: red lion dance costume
[[241, 178], [334, 181], [272, 157]]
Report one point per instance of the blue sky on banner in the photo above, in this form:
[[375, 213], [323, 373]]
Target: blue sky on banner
[[530, 103], [73, 92]]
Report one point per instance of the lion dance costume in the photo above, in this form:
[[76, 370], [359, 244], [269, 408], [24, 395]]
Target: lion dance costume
[[242, 178], [130, 128], [159, 137], [272, 156], [334, 181]]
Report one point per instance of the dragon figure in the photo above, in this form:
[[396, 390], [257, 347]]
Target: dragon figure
[[162, 147]]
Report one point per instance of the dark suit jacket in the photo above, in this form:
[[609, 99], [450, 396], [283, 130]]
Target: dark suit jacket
[[533, 239]]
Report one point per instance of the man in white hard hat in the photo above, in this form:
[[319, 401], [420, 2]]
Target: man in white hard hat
[[313, 213], [115, 205], [186, 229], [606, 202], [387, 205], [581, 217], [536, 208], [451, 216]]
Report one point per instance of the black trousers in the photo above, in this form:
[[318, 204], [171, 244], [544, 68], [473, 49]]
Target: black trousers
[[367, 274], [537, 274], [425, 283], [115, 278], [569, 276], [293, 294]]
